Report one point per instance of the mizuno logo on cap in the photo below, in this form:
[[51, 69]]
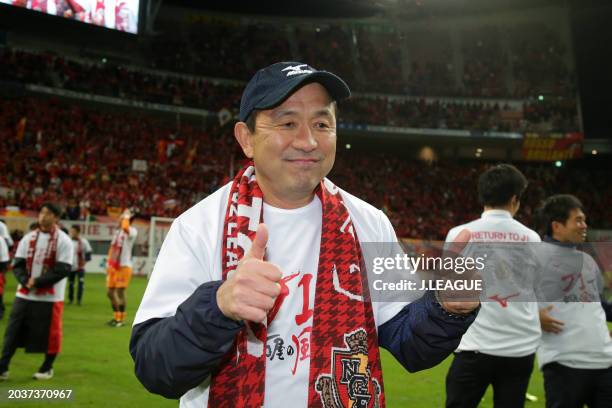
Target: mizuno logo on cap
[[296, 70]]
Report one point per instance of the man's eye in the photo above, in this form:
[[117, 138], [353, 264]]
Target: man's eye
[[322, 125], [288, 125]]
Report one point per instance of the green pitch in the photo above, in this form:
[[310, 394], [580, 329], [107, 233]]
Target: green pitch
[[95, 363]]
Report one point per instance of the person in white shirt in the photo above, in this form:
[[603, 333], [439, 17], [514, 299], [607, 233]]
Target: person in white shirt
[[4, 262], [499, 348], [119, 267], [257, 296], [42, 262], [8, 243], [82, 254], [4, 233], [575, 353]]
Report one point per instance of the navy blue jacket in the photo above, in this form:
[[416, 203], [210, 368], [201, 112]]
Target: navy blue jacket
[[175, 354]]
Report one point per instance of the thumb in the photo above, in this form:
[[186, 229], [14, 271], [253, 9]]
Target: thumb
[[258, 248]]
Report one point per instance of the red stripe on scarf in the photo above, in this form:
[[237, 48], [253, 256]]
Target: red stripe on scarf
[[343, 323]]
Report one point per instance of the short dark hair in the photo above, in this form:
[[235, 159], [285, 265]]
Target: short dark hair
[[499, 184], [54, 208], [76, 228], [555, 208], [251, 119]]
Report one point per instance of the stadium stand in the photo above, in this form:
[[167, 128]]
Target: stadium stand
[[187, 164]]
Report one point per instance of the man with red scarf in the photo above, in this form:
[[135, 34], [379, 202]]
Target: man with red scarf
[[259, 296], [41, 264], [119, 267]]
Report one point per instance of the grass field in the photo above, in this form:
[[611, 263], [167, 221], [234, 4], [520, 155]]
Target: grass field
[[95, 363]]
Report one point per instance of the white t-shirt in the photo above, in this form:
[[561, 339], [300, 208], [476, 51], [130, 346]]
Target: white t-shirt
[[64, 255], [584, 342], [502, 328], [193, 247], [4, 252], [4, 233], [125, 259], [85, 248]]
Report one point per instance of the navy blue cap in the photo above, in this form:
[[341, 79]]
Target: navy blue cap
[[271, 85]]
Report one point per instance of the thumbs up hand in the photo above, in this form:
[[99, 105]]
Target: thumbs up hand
[[460, 301], [252, 290]]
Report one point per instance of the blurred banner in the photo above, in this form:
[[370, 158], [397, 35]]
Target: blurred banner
[[552, 146], [119, 15]]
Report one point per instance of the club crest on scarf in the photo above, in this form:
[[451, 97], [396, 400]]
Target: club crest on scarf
[[350, 383]]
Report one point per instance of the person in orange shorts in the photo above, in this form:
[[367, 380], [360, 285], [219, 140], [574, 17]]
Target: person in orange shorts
[[119, 267]]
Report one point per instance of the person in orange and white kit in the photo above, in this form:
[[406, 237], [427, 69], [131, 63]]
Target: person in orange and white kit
[[119, 267]]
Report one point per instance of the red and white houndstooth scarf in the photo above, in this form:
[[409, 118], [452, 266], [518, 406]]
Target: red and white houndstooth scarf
[[343, 322], [48, 261]]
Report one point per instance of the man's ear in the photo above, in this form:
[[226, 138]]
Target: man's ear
[[555, 227], [515, 202], [243, 136]]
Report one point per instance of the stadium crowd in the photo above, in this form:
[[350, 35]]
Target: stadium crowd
[[84, 157], [87, 164], [518, 61], [552, 114]]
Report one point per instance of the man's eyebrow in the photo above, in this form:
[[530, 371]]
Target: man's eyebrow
[[327, 112], [283, 113]]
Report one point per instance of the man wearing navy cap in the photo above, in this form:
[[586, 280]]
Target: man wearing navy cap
[[256, 297]]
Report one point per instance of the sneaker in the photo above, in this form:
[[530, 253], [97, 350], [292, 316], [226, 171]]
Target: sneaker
[[4, 376], [47, 375], [111, 323], [119, 324]]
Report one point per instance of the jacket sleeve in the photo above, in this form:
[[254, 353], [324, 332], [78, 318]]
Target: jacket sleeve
[[19, 270], [423, 334], [56, 274], [175, 354]]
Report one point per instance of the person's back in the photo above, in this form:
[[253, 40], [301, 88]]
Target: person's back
[[499, 347], [505, 326]]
